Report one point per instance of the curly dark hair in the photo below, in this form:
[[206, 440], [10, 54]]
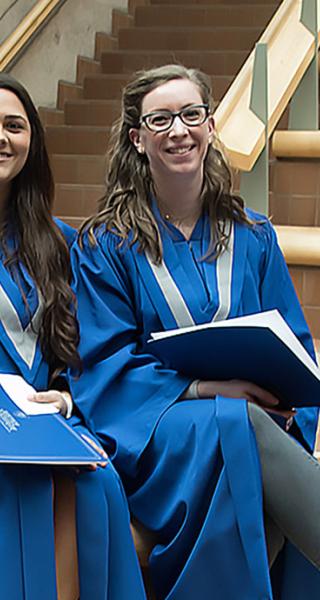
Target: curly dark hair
[[39, 243], [126, 205]]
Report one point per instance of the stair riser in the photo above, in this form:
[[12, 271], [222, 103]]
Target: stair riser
[[215, 63], [198, 39], [72, 141], [96, 87], [100, 88], [203, 16], [89, 113]]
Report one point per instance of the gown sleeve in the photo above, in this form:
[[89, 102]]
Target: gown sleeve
[[120, 381], [69, 232], [277, 291]]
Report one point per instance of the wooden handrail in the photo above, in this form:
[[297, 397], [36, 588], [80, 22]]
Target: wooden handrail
[[35, 18], [290, 51], [300, 245], [296, 144]]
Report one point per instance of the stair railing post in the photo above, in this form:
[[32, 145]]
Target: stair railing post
[[304, 106], [254, 185]]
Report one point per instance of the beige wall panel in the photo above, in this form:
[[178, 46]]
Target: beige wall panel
[[11, 13], [53, 53]]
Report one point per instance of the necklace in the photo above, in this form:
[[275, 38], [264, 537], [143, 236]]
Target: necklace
[[180, 220]]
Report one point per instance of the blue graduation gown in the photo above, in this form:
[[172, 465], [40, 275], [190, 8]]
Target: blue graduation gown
[[190, 468], [27, 560]]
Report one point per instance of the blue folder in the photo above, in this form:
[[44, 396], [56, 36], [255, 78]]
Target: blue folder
[[252, 353], [43, 439]]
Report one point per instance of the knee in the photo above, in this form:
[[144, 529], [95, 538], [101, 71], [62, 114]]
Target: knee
[[258, 416]]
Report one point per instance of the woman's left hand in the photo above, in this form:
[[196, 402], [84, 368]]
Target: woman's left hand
[[51, 397], [98, 449]]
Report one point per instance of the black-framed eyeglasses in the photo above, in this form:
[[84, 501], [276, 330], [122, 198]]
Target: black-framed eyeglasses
[[161, 120]]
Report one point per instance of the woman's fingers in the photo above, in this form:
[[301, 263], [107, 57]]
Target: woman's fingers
[[50, 397], [260, 395], [287, 414], [236, 388], [98, 449]]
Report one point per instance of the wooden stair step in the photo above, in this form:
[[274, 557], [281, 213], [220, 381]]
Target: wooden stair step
[[215, 62], [50, 116], [74, 168], [104, 86], [86, 66], [103, 43], [133, 4], [77, 139], [68, 91], [91, 112], [120, 19], [111, 86], [198, 15], [188, 38]]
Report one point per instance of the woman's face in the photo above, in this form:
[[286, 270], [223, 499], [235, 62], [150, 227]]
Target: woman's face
[[15, 138], [181, 149]]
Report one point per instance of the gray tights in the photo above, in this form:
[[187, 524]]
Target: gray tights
[[291, 489]]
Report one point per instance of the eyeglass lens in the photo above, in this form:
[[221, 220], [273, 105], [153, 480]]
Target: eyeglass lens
[[190, 116]]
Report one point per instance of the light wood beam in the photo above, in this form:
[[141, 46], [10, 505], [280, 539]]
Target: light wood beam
[[291, 48], [23, 33]]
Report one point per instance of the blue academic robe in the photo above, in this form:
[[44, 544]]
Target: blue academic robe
[[190, 468], [27, 561]]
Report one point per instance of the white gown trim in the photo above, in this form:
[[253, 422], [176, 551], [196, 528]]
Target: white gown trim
[[171, 293], [24, 340], [224, 278], [174, 297]]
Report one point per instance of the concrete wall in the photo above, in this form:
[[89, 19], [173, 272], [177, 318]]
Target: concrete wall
[[52, 54], [11, 13]]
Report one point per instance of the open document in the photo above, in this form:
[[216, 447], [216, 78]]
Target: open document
[[260, 348]]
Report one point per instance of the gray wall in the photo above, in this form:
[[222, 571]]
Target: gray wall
[[53, 52], [11, 13]]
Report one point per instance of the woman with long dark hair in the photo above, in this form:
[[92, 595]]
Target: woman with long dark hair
[[223, 488], [38, 340]]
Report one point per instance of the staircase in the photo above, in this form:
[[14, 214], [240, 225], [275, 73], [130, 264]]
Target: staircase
[[214, 36]]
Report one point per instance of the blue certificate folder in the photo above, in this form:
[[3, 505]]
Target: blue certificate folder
[[260, 348], [42, 439]]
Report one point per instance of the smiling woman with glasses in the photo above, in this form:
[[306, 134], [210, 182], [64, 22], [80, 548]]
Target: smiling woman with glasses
[[204, 466]]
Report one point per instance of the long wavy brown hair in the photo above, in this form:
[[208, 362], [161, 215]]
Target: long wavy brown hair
[[125, 207], [39, 243]]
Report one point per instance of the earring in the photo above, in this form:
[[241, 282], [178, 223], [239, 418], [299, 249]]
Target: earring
[[140, 149]]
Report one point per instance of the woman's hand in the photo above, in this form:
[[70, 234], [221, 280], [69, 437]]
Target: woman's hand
[[58, 399], [98, 449], [237, 388]]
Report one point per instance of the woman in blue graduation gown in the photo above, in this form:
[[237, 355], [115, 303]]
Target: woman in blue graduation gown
[[172, 246], [38, 339]]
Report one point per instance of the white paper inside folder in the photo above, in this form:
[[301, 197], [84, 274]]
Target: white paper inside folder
[[270, 319], [19, 390]]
